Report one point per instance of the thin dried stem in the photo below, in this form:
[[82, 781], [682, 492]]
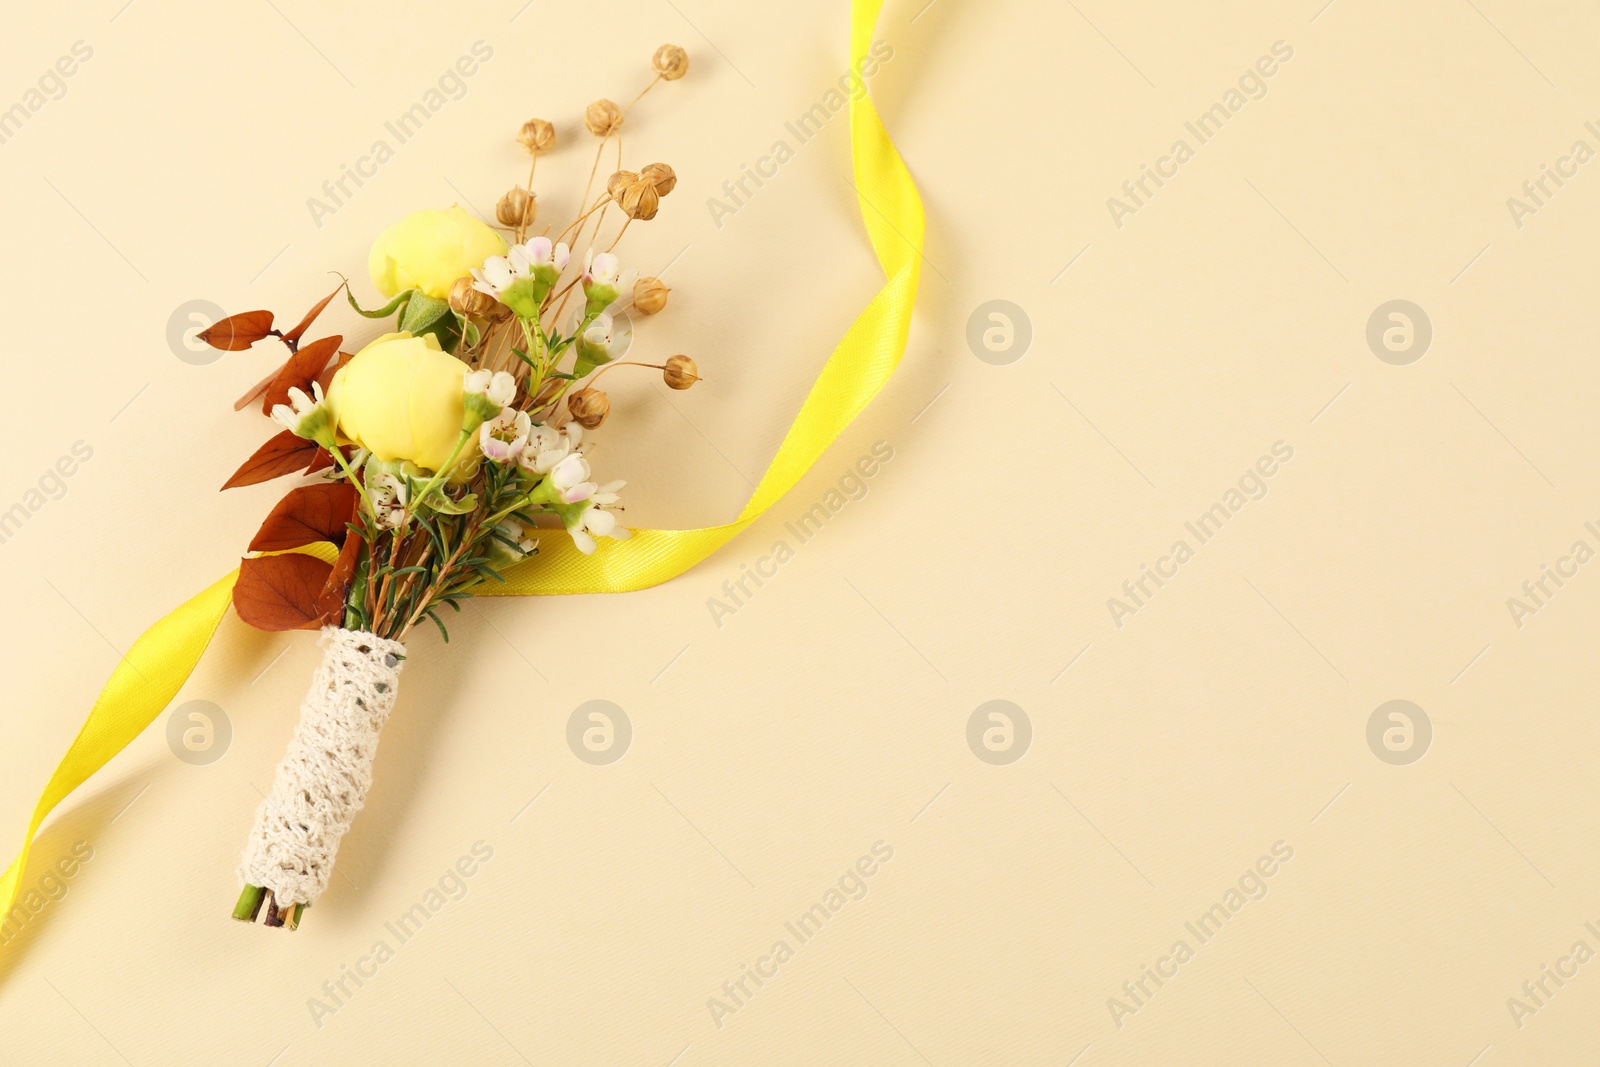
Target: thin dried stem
[[646, 89], [600, 202], [620, 232]]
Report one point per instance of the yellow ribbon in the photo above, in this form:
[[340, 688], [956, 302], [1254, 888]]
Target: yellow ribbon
[[159, 663]]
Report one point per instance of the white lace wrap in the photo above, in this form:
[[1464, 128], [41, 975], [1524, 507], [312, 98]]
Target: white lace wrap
[[323, 780]]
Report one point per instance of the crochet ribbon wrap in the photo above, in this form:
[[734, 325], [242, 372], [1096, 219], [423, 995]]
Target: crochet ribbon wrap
[[323, 780]]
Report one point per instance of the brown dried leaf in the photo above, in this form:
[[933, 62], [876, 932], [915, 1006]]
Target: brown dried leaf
[[337, 586], [299, 371], [322, 459], [294, 334], [283, 454], [238, 332], [325, 379], [281, 592], [309, 513]]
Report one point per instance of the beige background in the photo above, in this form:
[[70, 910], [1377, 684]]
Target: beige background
[[830, 712]]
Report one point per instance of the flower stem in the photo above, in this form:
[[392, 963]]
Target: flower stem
[[444, 469], [249, 903], [344, 464]]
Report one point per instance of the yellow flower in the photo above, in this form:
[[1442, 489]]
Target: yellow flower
[[429, 250], [400, 397]]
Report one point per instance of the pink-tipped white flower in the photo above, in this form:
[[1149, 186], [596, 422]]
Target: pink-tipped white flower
[[602, 269], [504, 437], [522, 277], [548, 446], [571, 479], [595, 521], [484, 395], [604, 280], [499, 386]]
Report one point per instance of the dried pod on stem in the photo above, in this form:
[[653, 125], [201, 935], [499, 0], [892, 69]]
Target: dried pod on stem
[[670, 62], [661, 176], [649, 295], [620, 181], [589, 407], [466, 300], [537, 135], [640, 201], [680, 372], [517, 208], [603, 118]]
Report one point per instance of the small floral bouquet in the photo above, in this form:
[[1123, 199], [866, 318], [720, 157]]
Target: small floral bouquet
[[439, 452]]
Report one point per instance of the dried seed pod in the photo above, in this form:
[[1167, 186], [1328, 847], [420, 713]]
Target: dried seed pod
[[517, 208], [466, 300], [537, 136], [649, 295], [589, 407], [620, 181], [680, 372], [661, 176], [670, 62], [640, 201], [603, 118]]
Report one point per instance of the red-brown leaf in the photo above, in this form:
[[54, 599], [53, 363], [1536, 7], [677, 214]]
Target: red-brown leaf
[[338, 583], [238, 332], [325, 379], [299, 371], [294, 334], [309, 513], [281, 592], [283, 454], [322, 459]]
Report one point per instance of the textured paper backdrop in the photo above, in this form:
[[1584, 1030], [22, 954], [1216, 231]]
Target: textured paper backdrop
[[1393, 886]]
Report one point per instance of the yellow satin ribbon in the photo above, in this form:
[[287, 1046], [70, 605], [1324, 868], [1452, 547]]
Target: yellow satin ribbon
[[159, 663]]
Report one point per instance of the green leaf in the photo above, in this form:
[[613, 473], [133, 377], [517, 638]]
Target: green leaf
[[443, 505], [381, 313], [421, 312], [430, 613], [447, 328], [487, 572]]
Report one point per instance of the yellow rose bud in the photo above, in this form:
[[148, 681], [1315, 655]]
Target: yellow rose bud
[[400, 397], [429, 250]]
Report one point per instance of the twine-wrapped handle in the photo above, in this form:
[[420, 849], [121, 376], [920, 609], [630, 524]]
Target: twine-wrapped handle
[[323, 780]]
